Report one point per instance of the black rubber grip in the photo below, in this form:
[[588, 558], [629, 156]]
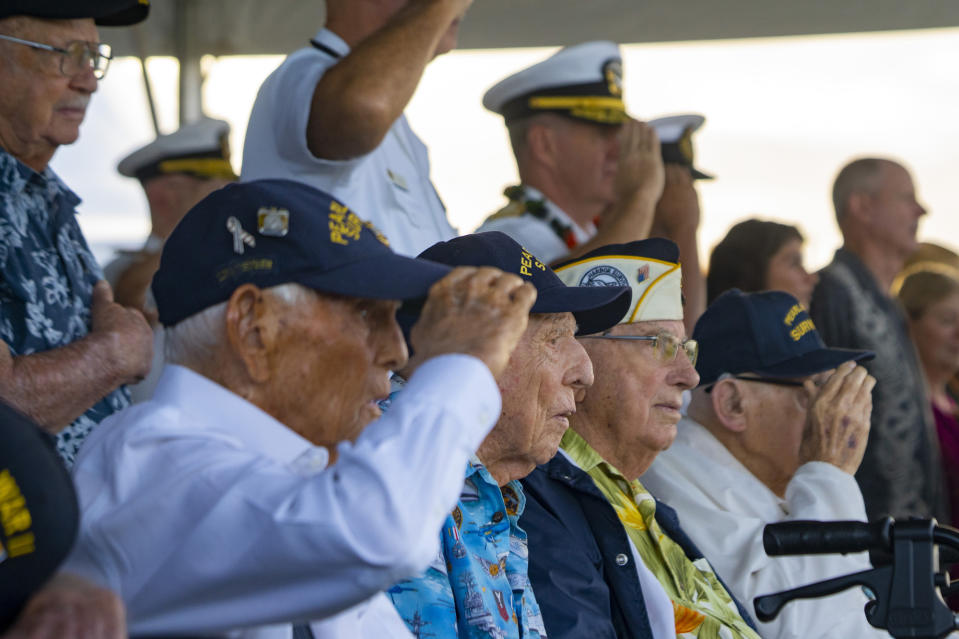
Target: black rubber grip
[[825, 537]]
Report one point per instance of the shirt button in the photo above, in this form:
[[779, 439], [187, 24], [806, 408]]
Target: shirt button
[[622, 559], [497, 517]]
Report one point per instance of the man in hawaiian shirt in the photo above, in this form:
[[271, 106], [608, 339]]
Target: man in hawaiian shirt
[[478, 586], [70, 348]]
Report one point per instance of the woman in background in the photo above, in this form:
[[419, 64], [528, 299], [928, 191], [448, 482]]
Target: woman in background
[[757, 255], [929, 293]]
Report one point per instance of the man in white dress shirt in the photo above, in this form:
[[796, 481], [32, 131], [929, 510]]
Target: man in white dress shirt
[[332, 115], [260, 485], [772, 433]]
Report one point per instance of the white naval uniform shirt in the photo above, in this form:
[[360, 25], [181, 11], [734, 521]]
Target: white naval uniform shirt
[[390, 186], [536, 235], [723, 508], [207, 515]]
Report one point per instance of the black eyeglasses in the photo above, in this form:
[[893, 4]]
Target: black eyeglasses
[[777, 381], [77, 57], [666, 346]]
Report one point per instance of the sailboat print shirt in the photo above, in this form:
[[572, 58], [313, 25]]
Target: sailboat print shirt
[[478, 586]]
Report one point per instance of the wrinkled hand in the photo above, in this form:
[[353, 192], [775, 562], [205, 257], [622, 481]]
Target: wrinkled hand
[[477, 311], [678, 208], [125, 332], [837, 423], [69, 607], [640, 167]]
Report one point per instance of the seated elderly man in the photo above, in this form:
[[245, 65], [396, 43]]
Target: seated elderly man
[[607, 560], [258, 486], [478, 586], [772, 433]]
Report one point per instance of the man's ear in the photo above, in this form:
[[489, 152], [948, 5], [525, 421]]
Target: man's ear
[[251, 329], [729, 404], [859, 206], [541, 142]]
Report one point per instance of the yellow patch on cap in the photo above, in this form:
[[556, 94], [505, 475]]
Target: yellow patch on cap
[[15, 518]]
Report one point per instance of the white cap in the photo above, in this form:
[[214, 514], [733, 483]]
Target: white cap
[[584, 81], [676, 140], [649, 267], [201, 148]]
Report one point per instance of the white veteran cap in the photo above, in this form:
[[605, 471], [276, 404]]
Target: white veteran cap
[[650, 268], [584, 81], [200, 149], [676, 140]]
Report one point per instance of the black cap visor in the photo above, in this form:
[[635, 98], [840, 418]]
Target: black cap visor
[[595, 308]]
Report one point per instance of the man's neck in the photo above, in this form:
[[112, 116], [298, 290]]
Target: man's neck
[[628, 458], [771, 475], [582, 213], [882, 262], [35, 156]]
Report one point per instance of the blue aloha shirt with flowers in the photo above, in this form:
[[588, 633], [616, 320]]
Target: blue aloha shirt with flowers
[[47, 273], [478, 586]]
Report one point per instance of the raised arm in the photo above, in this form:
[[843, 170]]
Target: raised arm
[[357, 101], [55, 387], [639, 184]]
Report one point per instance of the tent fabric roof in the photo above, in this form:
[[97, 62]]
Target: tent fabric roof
[[235, 27]]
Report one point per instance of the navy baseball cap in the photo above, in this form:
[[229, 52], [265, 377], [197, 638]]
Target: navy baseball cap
[[595, 308], [106, 13], [40, 513], [768, 333], [272, 232]]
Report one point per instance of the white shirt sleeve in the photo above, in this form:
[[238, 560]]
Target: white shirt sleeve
[[731, 540], [200, 535]]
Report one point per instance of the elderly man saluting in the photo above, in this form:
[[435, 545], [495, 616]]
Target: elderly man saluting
[[478, 585], [258, 486], [69, 347], [606, 559], [772, 433]]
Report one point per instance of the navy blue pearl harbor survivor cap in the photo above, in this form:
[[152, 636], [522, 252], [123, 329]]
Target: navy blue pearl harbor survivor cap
[[595, 308], [272, 232], [768, 333]]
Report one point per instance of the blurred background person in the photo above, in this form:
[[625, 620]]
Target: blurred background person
[[590, 174], [878, 213], [929, 293], [678, 215], [760, 255], [176, 171]]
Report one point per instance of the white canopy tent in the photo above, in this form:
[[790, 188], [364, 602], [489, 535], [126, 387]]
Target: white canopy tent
[[189, 29]]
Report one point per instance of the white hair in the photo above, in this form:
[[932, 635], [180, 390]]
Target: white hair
[[196, 339]]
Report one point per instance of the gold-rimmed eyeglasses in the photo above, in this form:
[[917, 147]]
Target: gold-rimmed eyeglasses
[[76, 57], [666, 345]]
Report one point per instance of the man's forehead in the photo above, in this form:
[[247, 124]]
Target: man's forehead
[[651, 327], [48, 31], [558, 321]]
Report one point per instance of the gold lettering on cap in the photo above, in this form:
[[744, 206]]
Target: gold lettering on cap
[[344, 224], [801, 329], [791, 315], [527, 261]]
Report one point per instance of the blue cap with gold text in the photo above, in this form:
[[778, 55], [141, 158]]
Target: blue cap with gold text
[[272, 232], [595, 309], [768, 333]]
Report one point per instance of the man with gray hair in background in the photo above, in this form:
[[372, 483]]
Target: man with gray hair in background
[[878, 215]]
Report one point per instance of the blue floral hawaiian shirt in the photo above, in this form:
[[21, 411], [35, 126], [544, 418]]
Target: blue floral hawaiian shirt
[[47, 273], [478, 586]]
